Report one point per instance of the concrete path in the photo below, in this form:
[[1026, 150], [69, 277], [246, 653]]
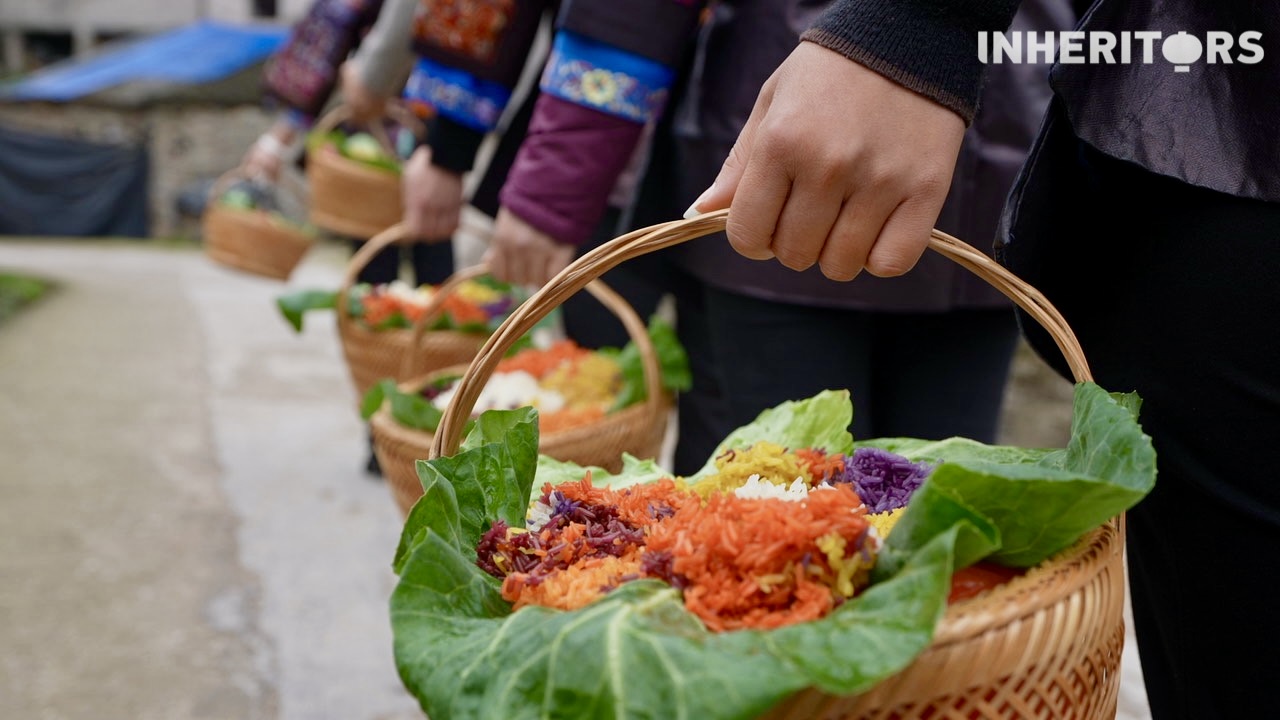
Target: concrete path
[[186, 529]]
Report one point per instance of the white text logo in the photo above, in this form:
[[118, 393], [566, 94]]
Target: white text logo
[[1077, 47]]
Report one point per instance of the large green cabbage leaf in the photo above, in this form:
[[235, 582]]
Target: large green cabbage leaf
[[637, 653]]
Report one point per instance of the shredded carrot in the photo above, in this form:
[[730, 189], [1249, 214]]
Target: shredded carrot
[[748, 561], [635, 503], [741, 563], [463, 311], [539, 363], [569, 417], [379, 307]]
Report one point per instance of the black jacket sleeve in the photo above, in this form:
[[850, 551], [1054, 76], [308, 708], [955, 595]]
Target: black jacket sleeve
[[929, 46]]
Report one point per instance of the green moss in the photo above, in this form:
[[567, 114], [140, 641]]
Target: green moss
[[17, 292]]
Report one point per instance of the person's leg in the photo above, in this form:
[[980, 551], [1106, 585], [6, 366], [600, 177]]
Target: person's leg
[[1172, 291], [638, 281], [939, 375], [702, 418], [432, 262], [770, 352], [381, 268]]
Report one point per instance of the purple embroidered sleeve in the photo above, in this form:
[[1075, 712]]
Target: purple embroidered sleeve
[[567, 166], [302, 74]]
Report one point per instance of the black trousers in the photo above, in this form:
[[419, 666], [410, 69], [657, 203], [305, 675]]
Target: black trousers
[[926, 375], [644, 282], [431, 263], [1174, 292]]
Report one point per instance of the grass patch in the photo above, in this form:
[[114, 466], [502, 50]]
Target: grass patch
[[17, 292]]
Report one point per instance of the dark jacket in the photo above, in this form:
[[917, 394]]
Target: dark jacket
[[744, 43], [303, 73], [1214, 125], [574, 152]]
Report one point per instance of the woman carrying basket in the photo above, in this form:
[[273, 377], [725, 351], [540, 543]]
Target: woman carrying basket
[[613, 67], [300, 80], [1148, 213]]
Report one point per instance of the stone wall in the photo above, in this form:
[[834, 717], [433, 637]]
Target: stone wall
[[186, 143]]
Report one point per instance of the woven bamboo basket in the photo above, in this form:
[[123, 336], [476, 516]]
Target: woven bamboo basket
[[400, 354], [249, 240], [1045, 646], [638, 430], [348, 197]]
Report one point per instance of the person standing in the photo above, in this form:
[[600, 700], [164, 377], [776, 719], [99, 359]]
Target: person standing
[[1147, 212], [925, 356], [300, 80]]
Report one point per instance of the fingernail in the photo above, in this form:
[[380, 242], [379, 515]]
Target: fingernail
[[693, 210]]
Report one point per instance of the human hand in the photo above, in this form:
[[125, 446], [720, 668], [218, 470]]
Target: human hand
[[364, 105], [432, 198], [521, 254], [838, 166], [265, 158]]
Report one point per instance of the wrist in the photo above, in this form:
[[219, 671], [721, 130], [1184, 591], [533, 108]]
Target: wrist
[[454, 146], [270, 144]]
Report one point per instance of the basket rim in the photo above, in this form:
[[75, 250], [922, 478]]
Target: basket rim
[[591, 265], [258, 220], [631, 414], [1058, 576], [328, 157]]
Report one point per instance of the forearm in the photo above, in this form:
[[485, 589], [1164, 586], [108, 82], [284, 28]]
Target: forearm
[[928, 46], [385, 56], [612, 66], [468, 64], [303, 74]]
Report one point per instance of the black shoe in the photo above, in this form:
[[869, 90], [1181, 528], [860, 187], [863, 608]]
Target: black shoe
[[371, 465]]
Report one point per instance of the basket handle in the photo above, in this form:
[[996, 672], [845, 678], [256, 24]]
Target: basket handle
[[664, 235], [433, 309], [615, 303], [224, 181], [371, 247], [395, 111]]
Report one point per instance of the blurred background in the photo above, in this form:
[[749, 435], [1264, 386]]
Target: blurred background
[[187, 529], [126, 107]]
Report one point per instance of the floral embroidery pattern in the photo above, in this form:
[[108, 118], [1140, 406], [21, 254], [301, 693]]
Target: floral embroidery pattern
[[454, 94], [470, 27], [302, 72], [614, 92]]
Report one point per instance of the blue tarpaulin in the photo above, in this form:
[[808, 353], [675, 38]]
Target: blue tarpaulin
[[199, 53]]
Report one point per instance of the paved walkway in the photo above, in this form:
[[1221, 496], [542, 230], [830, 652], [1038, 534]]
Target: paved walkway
[[186, 529]]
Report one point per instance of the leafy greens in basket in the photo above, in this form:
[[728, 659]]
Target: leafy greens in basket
[[617, 383], [639, 653], [478, 306]]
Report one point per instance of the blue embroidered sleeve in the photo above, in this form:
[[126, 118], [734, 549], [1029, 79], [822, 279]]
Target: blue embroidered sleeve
[[471, 56], [457, 94], [594, 74]]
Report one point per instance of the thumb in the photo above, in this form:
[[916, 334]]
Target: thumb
[[720, 194]]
